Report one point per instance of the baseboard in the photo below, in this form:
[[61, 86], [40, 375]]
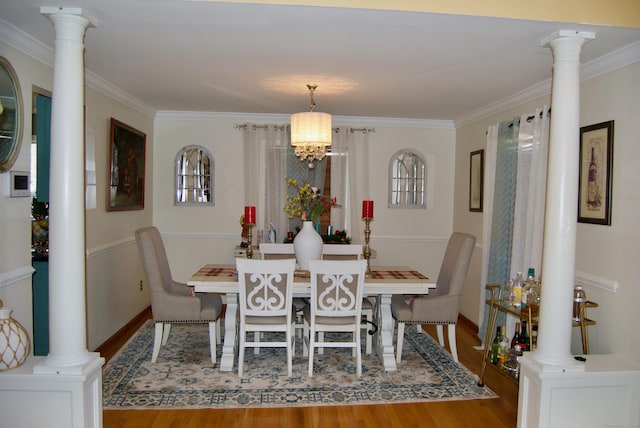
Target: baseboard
[[467, 323], [132, 325]]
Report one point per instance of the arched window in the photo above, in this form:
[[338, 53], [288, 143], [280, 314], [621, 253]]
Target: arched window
[[407, 180], [194, 176]]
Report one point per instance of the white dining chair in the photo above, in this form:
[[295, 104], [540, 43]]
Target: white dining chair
[[336, 305], [271, 251], [353, 252], [265, 297]]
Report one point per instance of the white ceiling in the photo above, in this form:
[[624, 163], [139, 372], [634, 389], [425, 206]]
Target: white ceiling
[[256, 58]]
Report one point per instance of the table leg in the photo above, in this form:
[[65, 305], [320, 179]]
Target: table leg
[[384, 339], [229, 345]]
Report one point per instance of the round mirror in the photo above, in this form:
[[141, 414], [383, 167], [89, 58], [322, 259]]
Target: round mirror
[[10, 115]]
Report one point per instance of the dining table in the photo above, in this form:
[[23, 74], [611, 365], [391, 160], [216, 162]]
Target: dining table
[[381, 282]]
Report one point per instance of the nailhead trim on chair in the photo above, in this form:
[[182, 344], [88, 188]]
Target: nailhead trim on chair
[[426, 322], [185, 321]]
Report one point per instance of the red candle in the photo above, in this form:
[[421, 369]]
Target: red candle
[[367, 209], [250, 215]]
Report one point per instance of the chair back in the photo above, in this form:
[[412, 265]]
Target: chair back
[[341, 251], [455, 264], [270, 251], [337, 287], [154, 260], [266, 287]]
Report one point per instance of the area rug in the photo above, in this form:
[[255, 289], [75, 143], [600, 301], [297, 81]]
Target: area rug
[[184, 378]]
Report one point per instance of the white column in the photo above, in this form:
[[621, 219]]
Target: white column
[[67, 313], [559, 249]]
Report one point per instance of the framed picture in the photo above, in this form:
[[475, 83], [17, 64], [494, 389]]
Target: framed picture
[[476, 180], [596, 163], [126, 168]]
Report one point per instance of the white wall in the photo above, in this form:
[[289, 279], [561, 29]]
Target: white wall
[[605, 254], [198, 235]]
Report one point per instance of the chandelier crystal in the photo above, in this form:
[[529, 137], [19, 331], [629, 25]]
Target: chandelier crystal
[[311, 132]]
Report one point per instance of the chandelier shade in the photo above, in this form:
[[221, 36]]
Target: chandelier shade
[[311, 132]]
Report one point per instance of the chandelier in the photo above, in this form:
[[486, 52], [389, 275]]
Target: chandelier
[[311, 132]]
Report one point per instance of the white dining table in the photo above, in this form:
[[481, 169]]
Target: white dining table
[[382, 282]]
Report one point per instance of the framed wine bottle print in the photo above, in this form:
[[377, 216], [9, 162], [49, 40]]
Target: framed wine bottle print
[[596, 163]]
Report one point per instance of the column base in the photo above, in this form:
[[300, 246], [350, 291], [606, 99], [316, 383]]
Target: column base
[[604, 392], [52, 400]]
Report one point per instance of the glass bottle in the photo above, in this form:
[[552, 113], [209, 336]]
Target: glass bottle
[[503, 348], [516, 336], [495, 345], [579, 297], [524, 337], [516, 292]]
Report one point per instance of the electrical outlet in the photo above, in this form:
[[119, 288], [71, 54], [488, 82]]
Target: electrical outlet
[[141, 285]]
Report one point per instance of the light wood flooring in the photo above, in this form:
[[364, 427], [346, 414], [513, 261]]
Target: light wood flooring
[[494, 413]]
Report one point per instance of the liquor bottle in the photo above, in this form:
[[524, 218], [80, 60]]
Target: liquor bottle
[[516, 300], [528, 288], [503, 348], [592, 184], [516, 336], [495, 345]]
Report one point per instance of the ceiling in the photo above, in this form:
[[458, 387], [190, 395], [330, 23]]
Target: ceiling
[[257, 58]]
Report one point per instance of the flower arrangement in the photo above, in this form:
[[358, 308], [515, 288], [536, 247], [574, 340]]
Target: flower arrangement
[[307, 203]]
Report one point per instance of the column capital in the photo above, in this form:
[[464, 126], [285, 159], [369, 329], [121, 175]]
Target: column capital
[[52, 13], [581, 36]]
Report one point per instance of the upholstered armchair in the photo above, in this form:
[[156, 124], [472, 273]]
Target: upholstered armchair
[[440, 307], [173, 302]]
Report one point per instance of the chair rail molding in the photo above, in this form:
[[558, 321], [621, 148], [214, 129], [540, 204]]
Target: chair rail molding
[[16, 275], [610, 285]]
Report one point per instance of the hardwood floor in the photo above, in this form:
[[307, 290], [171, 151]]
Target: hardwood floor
[[494, 413]]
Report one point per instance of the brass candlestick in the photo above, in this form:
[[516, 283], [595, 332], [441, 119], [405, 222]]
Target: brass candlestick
[[367, 249], [249, 227]]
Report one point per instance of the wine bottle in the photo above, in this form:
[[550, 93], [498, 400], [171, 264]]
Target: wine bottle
[[516, 336], [495, 345], [503, 348], [524, 337], [592, 184]]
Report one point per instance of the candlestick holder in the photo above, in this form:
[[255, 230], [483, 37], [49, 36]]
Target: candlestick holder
[[249, 227], [367, 250]]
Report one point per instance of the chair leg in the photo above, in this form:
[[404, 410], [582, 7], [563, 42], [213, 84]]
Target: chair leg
[[368, 339], [291, 343], [241, 341], [358, 352], [305, 339], [312, 344], [440, 332], [165, 335], [218, 334], [212, 340], [400, 341], [157, 341], [256, 338], [452, 341]]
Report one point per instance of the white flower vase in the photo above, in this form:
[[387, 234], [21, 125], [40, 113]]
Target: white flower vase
[[14, 341], [307, 245]]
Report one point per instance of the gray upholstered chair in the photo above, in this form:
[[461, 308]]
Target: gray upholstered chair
[[173, 302], [441, 306], [265, 302], [336, 305]]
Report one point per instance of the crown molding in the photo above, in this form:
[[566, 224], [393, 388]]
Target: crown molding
[[285, 118], [18, 39], [619, 58]]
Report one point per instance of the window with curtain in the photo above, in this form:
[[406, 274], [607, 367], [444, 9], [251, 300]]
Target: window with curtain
[[194, 171], [407, 180]]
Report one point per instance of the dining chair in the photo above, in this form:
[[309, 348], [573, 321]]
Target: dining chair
[[265, 302], [275, 251], [440, 306], [336, 305], [173, 302], [353, 252]]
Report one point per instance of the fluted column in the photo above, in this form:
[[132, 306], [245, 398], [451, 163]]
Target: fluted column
[[67, 306], [559, 249]]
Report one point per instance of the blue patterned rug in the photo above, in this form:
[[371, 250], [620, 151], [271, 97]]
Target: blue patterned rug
[[183, 376]]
